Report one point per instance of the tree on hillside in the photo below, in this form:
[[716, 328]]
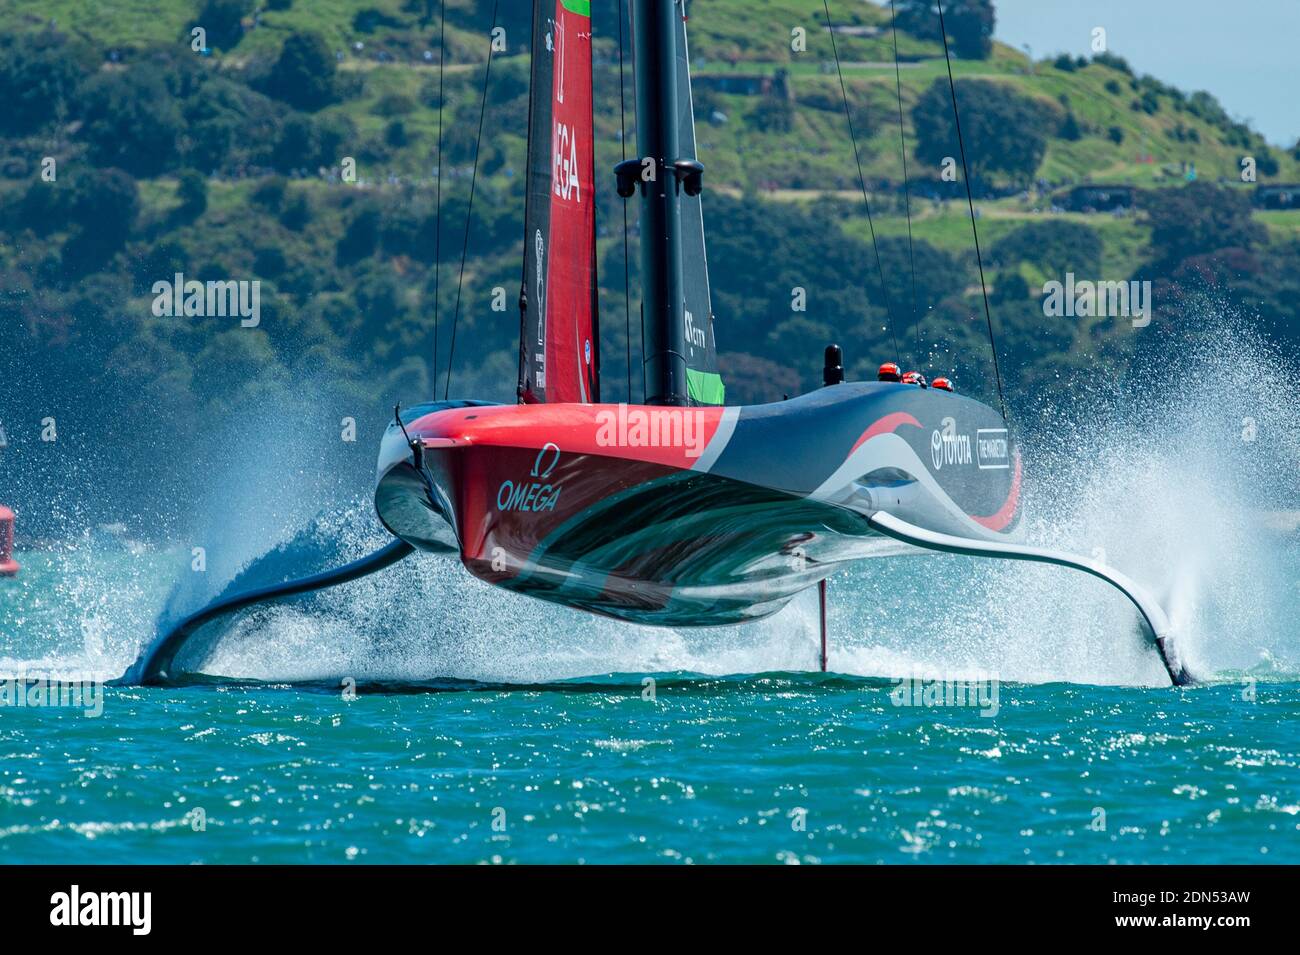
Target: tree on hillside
[[132, 121], [39, 208], [361, 238], [192, 191], [1009, 287], [104, 205], [1199, 218], [310, 142], [303, 76], [970, 24], [1005, 131], [222, 21], [1055, 246], [106, 201], [39, 77]]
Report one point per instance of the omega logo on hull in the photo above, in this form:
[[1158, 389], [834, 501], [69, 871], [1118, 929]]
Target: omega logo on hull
[[534, 495]]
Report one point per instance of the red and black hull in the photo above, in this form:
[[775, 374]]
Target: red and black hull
[[692, 516]]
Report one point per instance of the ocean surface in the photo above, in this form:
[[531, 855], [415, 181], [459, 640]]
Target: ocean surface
[[976, 712], [653, 766], [777, 768]]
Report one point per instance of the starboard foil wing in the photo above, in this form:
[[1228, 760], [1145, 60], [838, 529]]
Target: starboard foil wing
[[558, 345], [1151, 612]]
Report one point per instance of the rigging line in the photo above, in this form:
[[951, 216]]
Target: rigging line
[[970, 201], [521, 386], [627, 268], [907, 189], [862, 181], [437, 202], [469, 210]]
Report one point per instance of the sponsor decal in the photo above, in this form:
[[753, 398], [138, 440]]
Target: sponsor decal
[[547, 459], [947, 447], [565, 178], [992, 449], [535, 495], [540, 247], [694, 336], [539, 356]]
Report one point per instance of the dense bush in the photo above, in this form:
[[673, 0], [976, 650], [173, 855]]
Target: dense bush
[[1054, 246], [303, 76], [308, 143], [1198, 218], [40, 75], [192, 193], [103, 207], [222, 20], [132, 120], [1004, 129], [970, 24]]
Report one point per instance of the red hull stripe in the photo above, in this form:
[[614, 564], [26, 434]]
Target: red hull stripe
[[1005, 514], [674, 437], [886, 425]]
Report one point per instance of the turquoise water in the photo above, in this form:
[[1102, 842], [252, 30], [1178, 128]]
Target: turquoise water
[[775, 767], [711, 770]]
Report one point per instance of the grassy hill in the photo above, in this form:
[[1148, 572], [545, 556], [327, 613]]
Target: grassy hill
[[391, 48], [348, 267]]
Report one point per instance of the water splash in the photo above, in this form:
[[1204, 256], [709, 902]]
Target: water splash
[[1166, 476]]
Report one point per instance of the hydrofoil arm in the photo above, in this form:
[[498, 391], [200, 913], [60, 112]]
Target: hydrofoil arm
[[1151, 612], [152, 669]]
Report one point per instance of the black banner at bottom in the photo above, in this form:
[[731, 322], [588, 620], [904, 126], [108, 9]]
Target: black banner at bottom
[[303, 903]]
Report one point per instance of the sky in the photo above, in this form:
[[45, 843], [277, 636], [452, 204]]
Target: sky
[[1245, 52]]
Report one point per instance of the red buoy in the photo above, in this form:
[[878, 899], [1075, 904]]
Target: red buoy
[[8, 566]]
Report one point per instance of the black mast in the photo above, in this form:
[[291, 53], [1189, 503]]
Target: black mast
[[654, 35]]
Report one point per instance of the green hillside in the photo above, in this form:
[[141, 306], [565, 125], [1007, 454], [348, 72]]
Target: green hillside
[[230, 168]]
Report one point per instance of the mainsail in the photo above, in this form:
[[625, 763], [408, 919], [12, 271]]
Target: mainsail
[[703, 383], [558, 346]]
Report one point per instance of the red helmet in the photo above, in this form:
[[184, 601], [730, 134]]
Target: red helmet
[[888, 372], [943, 384], [915, 378]]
